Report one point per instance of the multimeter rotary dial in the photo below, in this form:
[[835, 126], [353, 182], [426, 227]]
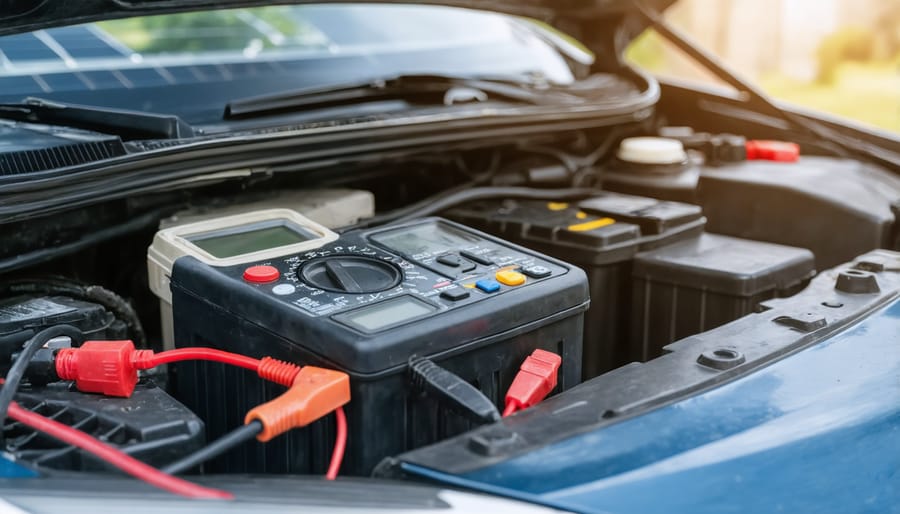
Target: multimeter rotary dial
[[350, 274]]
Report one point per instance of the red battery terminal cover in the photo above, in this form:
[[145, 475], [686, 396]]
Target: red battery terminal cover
[[765, 150]]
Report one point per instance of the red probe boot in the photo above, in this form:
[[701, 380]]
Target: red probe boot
[[535, 380]]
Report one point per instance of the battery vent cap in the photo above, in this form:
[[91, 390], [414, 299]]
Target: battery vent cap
[[651, 150]]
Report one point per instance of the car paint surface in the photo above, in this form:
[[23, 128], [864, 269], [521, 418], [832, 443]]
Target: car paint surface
[[818, 431]]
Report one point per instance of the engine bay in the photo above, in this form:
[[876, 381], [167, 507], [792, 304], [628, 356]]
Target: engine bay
[[287, 327]]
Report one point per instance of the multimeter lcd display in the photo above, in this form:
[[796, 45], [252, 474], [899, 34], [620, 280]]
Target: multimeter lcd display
[[387, 313], [223, 244], [432, 238]]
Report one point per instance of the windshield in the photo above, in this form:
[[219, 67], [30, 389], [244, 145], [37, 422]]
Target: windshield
[[192, 64]]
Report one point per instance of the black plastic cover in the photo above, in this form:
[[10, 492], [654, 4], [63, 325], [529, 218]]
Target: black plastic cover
[[654, 217], [837, 208], [698, 284], [150, 426], [23, 316], [895, 237], [545, 226], [673, 182], [28, 161], [25, 148], [727, 265], [610, 227]]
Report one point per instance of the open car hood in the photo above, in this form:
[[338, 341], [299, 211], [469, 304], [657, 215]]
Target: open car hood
[[17, 16]]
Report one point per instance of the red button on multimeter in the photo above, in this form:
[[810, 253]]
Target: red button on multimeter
[[261, 274]]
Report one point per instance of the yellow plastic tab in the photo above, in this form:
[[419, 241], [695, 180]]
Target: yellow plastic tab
[[510, 278], [581, 215], [591, 225], [557, 206], [469, 286]]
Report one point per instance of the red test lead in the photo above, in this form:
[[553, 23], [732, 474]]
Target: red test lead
[[111, 368], [114, 456]]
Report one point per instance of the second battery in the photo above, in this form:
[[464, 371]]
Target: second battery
[[606, 235]]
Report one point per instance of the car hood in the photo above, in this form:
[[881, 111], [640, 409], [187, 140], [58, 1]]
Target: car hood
[[17, 16]]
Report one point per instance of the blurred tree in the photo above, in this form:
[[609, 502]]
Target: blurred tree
[[847, 44], [206, 31], [193, 32], [881, 42]]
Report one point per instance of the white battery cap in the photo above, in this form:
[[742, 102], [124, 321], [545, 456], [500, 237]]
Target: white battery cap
[[651, 150]]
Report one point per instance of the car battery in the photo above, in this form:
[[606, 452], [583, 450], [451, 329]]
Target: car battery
[[25, 315], [601, 235], [149, 426], [364, 303], [701, 283]]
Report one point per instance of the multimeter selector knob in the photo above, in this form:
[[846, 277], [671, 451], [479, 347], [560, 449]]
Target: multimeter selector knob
[[350, 274]]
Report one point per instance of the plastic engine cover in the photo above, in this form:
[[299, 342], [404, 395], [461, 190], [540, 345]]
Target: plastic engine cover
[[150, 426]]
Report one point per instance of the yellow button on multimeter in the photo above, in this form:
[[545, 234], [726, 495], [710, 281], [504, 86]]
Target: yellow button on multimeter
[[510, 277]]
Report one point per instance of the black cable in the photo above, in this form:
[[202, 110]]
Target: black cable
[[490, 193], [46, 254], [17, 371], [450, 389], [387, 217], [587, 165], [121, 309], [381, 219], [445, 201], [477, 179], [221, 445]]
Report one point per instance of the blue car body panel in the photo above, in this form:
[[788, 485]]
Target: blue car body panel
[[818, 431], [9, 469]]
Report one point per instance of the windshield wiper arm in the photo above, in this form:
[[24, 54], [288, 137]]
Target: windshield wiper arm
[[429, 89], [128, 125]]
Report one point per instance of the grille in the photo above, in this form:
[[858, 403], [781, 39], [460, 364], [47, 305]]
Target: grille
[[29, 161]]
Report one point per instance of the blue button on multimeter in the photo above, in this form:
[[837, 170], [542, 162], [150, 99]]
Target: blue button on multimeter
[[488, 286]]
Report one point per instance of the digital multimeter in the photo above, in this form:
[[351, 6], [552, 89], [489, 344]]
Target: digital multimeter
[[364, 303], [226, 241]]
